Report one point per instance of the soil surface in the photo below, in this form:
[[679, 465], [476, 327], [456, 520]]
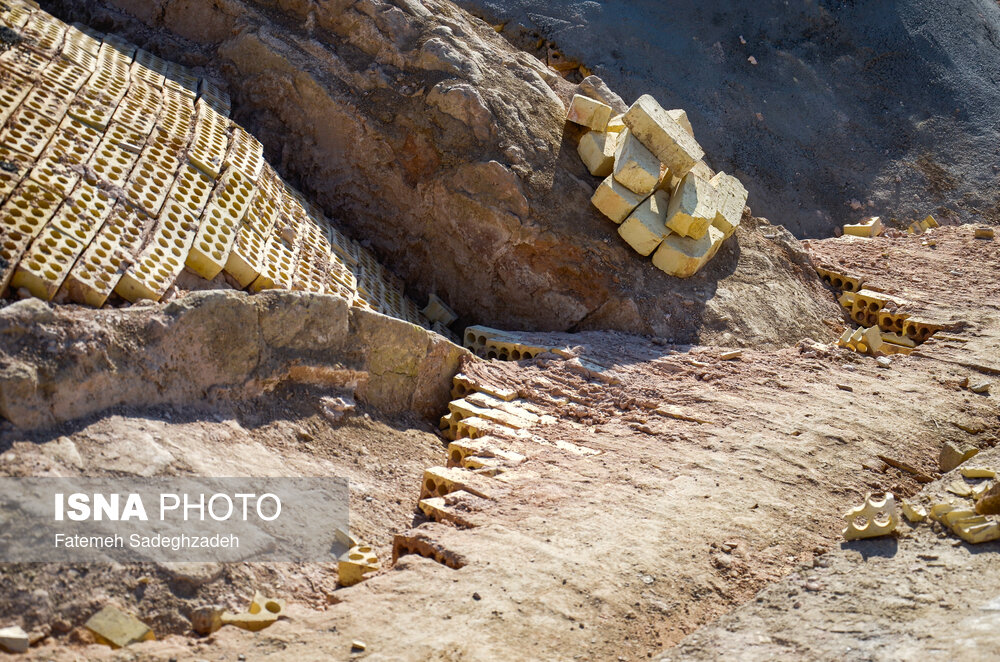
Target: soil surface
[[663, 526]]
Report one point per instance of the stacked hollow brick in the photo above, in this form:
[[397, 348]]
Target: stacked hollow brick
[[118, 170], [884, 325], [664, 198]]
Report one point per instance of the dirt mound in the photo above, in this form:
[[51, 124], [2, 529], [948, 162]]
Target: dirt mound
[[428, 135], [847, 109]]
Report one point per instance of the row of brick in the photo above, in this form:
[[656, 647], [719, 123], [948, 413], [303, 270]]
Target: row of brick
[[118, 170]]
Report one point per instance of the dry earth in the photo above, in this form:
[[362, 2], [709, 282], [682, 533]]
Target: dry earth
[[668, 527]]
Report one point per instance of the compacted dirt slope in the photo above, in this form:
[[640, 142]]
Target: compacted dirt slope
[[849, 108]]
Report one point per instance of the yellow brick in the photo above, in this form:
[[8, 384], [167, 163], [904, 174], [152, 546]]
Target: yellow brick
[[615, 200], [246, 154], [913, 513], [355, 563], [22, 217], [663, 135], [873, 524], [191, 188], [616, 124], [14, 89], [846, 299], [597, 151], [163, 258], [17, 166], [983, 233], [681, 118], [148, 185], [115, 628], [871, 227], [591, 113], [928, 223], [439, 481], [692, 207], [978, 472], [644, 229], [978, 531], [635, 166], [683, 256], [857, 341], [54, 251], [897, 339], [111, 162], [277, 268], [219, 224], [96, 273], [873, 339], [28, 132], [731, 198]]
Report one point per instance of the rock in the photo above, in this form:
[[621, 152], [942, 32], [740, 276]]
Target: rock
[[334, 409], [206, 620], [980, 387], [357, 646], [883, 362], [989, 503], [13, 639], [953, 455], [195, 574], [346, 123]]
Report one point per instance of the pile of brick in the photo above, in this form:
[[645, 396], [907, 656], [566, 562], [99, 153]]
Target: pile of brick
[[118, 170], [666, 201], [885, 326]]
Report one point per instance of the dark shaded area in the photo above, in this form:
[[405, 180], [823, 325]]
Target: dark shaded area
[[892, 105]]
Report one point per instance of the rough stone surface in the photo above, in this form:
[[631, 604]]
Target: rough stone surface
[[426, 133], [208, 345]]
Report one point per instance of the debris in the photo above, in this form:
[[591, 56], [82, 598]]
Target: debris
[[978, 472], [752, 60], [913, 513], [983, 233], [874, 518], [903, 466], [989, 503], [980, 387], [355, 563], [335, 408], [953, 455], [262, 613], [960, 489], [672, 411], [115, 628], [884, 362], [14, 640], [845, 387], [977, 529], [357, 646], [729, 356], [437, 310]]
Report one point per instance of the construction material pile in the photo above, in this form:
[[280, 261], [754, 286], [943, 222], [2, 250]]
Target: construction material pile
[[664, 198], [885, 326], [119, 169]]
